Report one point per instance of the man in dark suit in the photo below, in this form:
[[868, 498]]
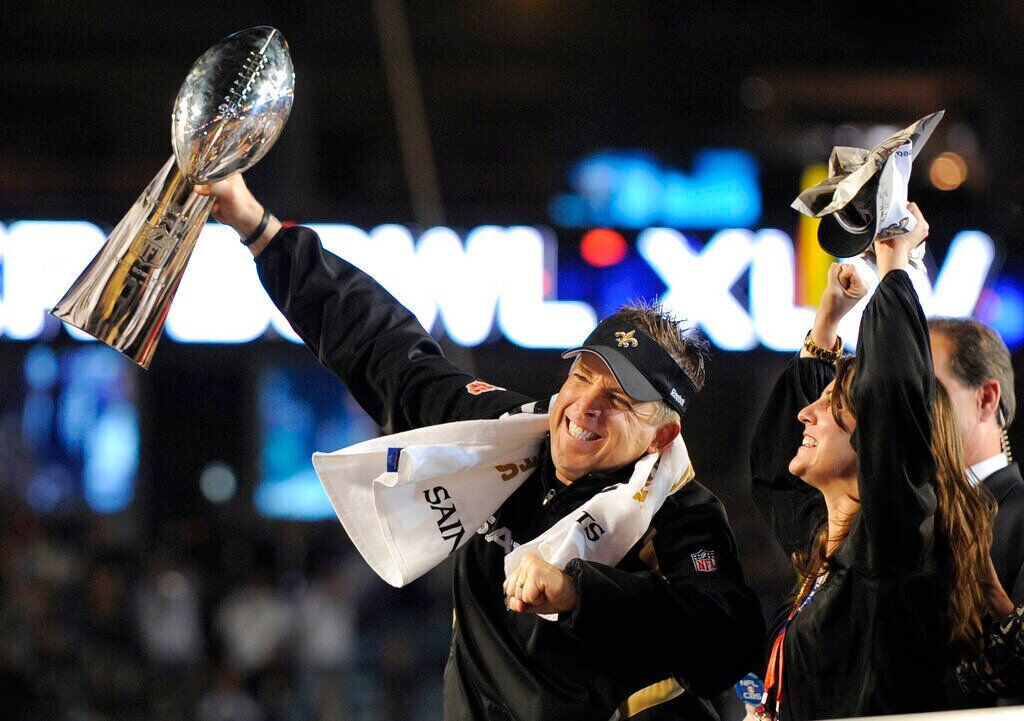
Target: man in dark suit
[[973, 364]]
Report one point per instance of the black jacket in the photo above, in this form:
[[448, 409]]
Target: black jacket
[[873, 639], [999, 671], [1007, 552], [1007, 487], [674, 614]]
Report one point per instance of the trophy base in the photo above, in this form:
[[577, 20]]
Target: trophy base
[[123, 296]]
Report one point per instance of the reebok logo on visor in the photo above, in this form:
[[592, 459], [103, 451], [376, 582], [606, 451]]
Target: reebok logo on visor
[[477, 387]]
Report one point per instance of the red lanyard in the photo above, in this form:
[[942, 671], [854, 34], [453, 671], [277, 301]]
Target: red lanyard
[[773, 675]]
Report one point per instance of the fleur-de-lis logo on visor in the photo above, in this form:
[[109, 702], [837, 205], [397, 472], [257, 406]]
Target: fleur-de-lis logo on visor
[[625, 340]]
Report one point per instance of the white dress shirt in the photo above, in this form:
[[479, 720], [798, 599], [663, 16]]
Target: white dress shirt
[[983, 469]]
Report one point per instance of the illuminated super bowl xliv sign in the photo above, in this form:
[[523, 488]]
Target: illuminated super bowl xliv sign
[[493, 276]]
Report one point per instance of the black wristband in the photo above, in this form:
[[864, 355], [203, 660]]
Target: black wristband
[[256, 234]]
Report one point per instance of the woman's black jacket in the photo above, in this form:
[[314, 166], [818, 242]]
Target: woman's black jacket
[[873, 640]]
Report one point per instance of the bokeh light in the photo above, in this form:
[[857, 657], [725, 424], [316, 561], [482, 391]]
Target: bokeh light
[[41, 368], [602, 247], [218, 482], [948, 171], [1002, 308]]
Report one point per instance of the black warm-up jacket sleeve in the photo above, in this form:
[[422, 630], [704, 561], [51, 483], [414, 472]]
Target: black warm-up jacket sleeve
[[892, 393], [792, 509], [703, 627], [391, 365]]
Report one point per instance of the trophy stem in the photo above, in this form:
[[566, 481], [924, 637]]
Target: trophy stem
[[123, 296]]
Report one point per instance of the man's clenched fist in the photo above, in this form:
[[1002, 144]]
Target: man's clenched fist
[[535, 586]]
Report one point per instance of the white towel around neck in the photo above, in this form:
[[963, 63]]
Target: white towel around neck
[[410, 500]]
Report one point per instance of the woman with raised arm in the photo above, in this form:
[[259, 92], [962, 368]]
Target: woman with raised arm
[[858, 469]]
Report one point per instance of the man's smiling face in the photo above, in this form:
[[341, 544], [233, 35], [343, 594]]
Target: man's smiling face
[[595, 426]]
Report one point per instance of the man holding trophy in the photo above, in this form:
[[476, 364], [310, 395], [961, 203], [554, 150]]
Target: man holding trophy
[[629, 602]]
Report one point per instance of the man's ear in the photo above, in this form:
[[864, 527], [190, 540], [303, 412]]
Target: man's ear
[[989, 396], [663, 437]]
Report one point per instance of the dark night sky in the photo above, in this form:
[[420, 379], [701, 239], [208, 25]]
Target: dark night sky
[[514, 91]]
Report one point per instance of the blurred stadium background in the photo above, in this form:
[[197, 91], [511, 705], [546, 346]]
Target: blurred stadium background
[[165, 550]]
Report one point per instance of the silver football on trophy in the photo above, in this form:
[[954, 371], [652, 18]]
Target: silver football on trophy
[[233, 104], [229, 111]]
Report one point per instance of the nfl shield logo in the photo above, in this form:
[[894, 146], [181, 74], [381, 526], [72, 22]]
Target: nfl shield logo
[[477, 387], [704, 560]]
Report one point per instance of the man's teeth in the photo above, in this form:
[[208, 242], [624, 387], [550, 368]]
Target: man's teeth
[[809, 442], [580, 434]]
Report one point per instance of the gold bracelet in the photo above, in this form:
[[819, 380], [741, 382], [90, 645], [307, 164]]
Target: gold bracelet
[[829, 356]]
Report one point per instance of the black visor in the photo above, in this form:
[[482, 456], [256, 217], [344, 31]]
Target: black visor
[[643, 368]]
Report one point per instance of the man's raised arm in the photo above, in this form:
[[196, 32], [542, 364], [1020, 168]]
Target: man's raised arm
[[391, 365]]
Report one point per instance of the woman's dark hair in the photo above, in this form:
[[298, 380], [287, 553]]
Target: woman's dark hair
[[963, 517]]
